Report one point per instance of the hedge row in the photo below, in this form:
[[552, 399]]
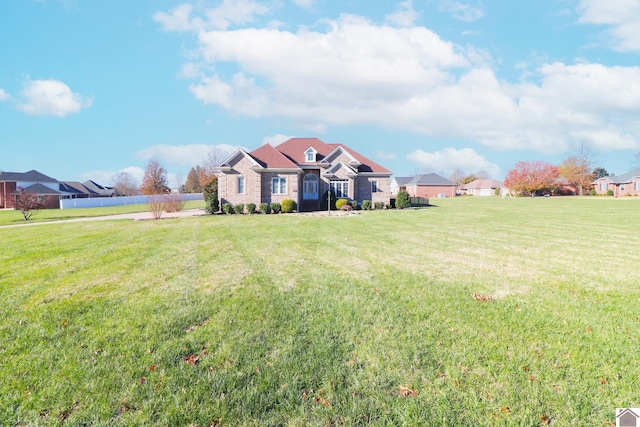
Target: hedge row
[[287, 206]]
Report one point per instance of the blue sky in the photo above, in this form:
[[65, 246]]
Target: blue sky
[[90, 88]]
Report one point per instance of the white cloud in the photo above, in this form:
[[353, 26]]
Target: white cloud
[[404, 16], [355, 72], [228, 13], [305, 4], [182, 155], [4, 96], [105, 177], [51, 98], [622, 17], [450, 159], [462, 11], [276, 139]]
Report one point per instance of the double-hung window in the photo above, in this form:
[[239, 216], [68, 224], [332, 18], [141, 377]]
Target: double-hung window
[[603, 186], [279, 185]]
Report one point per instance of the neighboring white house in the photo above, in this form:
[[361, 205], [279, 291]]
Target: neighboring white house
[[483, 187]]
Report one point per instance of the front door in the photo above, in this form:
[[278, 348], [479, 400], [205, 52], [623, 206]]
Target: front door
[[310, 185]]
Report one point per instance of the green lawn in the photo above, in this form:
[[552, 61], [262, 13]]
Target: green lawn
[[298, 320]]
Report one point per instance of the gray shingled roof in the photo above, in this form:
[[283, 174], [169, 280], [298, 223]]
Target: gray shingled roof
[[41, 189], [75, 187], [621, 179], [30, 176], [429, 179], [402, 180]]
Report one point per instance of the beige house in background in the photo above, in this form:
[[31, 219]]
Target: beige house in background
[[483, 188], [301, 169]]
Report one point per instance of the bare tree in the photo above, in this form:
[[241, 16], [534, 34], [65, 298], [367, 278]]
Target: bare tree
[[214, 159], [155, 179], [125, 184], [28, 203], [457, 176]]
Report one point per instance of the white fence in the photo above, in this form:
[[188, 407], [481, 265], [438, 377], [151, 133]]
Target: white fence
[[97, 202]]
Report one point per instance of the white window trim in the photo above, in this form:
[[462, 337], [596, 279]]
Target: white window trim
[[273, 186], [333, 184], [310, 153], [374, 183]]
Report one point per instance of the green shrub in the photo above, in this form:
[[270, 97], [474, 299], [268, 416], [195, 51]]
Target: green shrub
[[239, 208], [593, 192], [389, 205], [402, 200], [379, 205], [288, 206], [354, 205], [326, 198], [340, 203], [366, 205], [265, 208], [210, 195], [251, 208], [609, 192], [275, 207], [227, 208]]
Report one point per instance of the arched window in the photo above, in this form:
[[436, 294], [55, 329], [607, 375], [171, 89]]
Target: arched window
[[310, 187]]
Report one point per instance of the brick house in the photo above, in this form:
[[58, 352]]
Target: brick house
[[425, 185], [47, 188], [301, 169], [627, 184]]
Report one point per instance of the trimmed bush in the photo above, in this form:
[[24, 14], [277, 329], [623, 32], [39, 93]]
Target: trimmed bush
[[593, 192], [251, 208], [227, 208], [341, 202], [325, 200], [402, 200], [379, 205], [239, 208], [354, 205], [366, 205], [389, 206], [275, 207], [288, 206], [609, 192], [265, 208]]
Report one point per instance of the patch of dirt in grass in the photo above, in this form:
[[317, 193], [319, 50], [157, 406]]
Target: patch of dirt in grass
[[502, 293]]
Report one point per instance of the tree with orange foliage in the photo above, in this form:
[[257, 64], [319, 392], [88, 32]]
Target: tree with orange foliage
[[531, 177]]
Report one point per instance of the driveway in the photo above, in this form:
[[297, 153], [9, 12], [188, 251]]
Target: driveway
[[136, 216]]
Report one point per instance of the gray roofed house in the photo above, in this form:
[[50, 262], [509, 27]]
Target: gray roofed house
[[627, 184], [99, 190], [75, 189]]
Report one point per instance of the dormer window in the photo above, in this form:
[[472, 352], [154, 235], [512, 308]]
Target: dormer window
[[310, 155]]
